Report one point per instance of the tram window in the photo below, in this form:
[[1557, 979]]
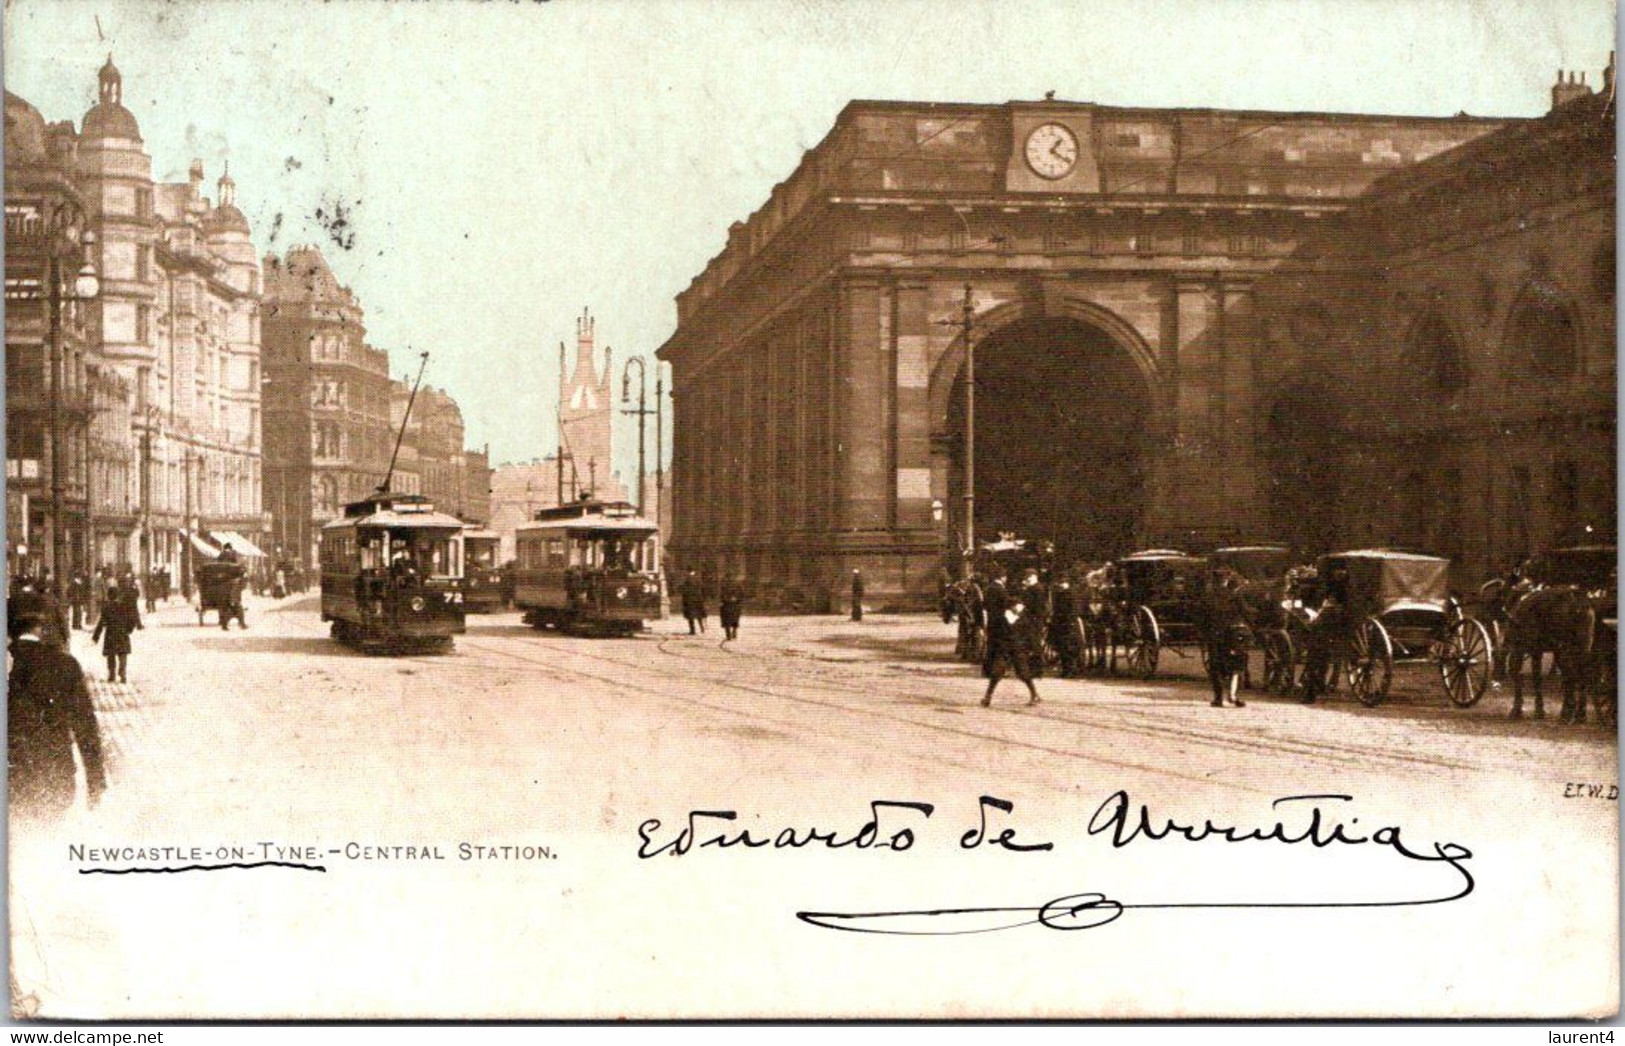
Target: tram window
[[555, 552], [481, 555]]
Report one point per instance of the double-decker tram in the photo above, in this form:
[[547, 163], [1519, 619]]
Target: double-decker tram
[[588, 566], [392, 574], [485, 589]]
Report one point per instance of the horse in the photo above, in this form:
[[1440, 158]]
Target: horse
[[1097, 604], [1562, 620]]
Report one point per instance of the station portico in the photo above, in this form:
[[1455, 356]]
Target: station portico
[[1130, 388]]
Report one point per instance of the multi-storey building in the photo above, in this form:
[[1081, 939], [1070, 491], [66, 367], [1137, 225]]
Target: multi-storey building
[[167, 423], [328, 430], [46, 217]]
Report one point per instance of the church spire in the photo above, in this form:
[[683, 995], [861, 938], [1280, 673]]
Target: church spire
[[585, 374]]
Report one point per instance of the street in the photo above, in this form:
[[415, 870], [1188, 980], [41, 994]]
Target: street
[[551, 751]]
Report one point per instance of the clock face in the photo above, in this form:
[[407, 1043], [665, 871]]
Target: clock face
[[1052, 151]]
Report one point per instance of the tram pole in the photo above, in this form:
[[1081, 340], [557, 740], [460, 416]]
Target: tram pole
[[966, 325]]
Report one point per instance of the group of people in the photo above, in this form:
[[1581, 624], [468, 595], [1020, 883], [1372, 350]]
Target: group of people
[[730, 598]]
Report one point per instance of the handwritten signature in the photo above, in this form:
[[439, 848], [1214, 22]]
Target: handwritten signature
[[1126, 823]]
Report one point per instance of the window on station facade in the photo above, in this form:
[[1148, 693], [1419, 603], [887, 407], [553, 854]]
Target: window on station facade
[[1434, 368], [1542, 339]]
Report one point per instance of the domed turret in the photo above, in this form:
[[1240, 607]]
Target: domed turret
[[226, 218], [108, 118], [25, 131]]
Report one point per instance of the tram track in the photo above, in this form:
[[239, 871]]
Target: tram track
[[1120, 719]]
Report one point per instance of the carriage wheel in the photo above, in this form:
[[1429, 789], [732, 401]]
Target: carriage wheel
[[1144, 643], [1279, 660], [1371, 663], [1466, 658]]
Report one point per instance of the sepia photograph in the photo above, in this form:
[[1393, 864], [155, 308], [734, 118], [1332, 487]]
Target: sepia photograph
[[811, 510]]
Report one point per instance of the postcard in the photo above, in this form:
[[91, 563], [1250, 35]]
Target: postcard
[[720, 510]]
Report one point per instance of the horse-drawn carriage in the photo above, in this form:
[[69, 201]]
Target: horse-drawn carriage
[[1396, 608], [1266, 574], [1566, 601], [220, 588], [1158, 606], [1009, 555]]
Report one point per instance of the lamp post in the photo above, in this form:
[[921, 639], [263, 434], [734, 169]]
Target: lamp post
[[85, 288], [642, 412], [966, 323]]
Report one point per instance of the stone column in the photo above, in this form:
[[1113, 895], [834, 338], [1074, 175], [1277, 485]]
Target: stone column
[[863, 375], [913, 410]]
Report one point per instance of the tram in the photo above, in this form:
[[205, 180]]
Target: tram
[[589, 566], [484, 587], [392, 574]]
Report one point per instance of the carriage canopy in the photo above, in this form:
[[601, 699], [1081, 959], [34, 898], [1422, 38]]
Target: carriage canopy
[[1254, 562], [1380, 580], [1159, 575]]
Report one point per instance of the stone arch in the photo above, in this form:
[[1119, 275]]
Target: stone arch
[[1065, 430], [1433, 366], [1303, 433], [1542, 339], [945, 373]]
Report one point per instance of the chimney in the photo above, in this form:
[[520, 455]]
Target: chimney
[[1569, 87]]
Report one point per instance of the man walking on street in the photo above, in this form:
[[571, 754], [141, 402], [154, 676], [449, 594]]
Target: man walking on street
[[49, 715], [120, 617], [857, 595], [693, 593], [732, 604], [1006, 633], [79, 598]]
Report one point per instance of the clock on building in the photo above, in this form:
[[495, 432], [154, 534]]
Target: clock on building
[[1052, 151]]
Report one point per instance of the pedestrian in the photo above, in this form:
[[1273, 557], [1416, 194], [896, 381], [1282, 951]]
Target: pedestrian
[[1065, 637], [120, 617], [945, 595], [857, 595], [1324, 635], [732, 602], [693, 593], [49, 715], [98, 592], [227, 553], [279, 586], [149, 590], [1006, 642], [79, 599]]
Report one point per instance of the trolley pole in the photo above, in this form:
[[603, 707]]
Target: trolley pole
[[966, 325], [642, 412]]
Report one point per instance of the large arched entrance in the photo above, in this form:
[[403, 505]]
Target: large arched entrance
[[1302, 458], [1063, 412]]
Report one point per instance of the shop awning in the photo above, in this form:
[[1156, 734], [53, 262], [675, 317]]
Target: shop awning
[[239, 544], [201, 545]]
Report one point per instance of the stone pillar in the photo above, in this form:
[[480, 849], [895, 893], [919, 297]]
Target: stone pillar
[[913, 410], [862, 438]]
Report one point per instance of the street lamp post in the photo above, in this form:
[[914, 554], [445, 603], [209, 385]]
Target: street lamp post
[[642, 412], [966, 324], [85, 287]]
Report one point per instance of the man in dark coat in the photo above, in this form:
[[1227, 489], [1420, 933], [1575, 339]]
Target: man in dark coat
[[733, 603], [79, 598], [1007, 635], [1064, 634], [693, 593], [49, 715], [857, 595], [120, 617]]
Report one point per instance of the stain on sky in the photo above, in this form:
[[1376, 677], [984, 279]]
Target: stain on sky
[[334, 216]]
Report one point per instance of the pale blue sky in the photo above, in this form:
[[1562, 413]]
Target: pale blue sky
[[505, 165]]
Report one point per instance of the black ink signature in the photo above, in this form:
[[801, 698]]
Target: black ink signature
[[1086, 911]]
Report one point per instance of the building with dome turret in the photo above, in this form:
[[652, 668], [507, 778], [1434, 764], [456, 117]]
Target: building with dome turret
[[176, 325]]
